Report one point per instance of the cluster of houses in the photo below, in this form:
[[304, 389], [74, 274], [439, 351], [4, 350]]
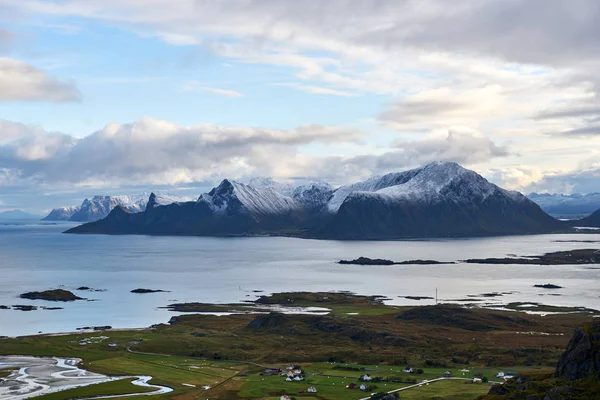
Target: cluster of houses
[[505, 376], [295, 374]]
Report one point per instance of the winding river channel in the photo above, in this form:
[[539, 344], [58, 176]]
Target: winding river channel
[[36, 376]]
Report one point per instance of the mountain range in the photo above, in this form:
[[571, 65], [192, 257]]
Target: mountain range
[[17, 214], [567, 206], [98, 207], [440, 199]]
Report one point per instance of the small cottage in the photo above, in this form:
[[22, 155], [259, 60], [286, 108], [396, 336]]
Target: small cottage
[[312, 389]]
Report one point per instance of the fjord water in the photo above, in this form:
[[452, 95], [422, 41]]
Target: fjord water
[[37, 256]]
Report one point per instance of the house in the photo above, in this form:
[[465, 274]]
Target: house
[[352, 386], [312, 389], [298, 378], [366, 378], [509, 375], [284, 397], [447, 374], [288, 379], [271, 372], [408, 370], [500, 374], [477, 380], [363, 387], [293, 372]]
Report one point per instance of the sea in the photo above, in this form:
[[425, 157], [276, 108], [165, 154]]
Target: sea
[[37, 255]]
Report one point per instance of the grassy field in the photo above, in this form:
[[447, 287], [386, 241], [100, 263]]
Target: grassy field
[[228, 353], [122, 386], [446, 390]]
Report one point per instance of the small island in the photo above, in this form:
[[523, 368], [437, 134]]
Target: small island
[[580, 256], [548, 286], [51, 295], [140, 290], [382, 261]]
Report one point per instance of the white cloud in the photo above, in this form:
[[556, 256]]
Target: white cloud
[[154, 151], [22, 82], [196, 86], [318, 90]]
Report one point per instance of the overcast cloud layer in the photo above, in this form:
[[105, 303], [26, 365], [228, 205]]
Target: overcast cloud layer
[[509, 88]]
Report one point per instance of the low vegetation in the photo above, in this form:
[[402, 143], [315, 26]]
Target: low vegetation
[[361, 335], [51, 295]]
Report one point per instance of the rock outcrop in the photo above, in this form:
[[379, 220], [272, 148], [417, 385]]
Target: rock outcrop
[[581, 359]]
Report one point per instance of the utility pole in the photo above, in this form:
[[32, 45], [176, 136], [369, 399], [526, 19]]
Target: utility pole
[[436, 296]]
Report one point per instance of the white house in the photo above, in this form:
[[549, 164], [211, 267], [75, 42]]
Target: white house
[[312, 389], [500, 374], [298, 378], [363, 386], [366, 377], [284, 397], [477, 380], [408, 370]]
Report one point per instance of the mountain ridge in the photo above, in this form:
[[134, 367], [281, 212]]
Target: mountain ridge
[[439, 199]]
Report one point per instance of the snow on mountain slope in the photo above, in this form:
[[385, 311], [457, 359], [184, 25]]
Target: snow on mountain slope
[[312, 196], [230, 197], [372, 184], [435, 182], [269, 183], [161, 199], [98, 207], [61, 213]]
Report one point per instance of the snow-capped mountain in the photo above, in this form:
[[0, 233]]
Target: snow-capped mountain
[[232, 197], [438, 181], [313, 195], [562, 205], [440, 199], [61, 213], [99, 207], [269, 183]]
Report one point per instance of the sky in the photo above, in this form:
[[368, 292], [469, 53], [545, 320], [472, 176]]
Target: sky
[[128, 96]]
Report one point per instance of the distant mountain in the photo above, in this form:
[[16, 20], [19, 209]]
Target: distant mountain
[[61, 213], [440, 199], [561, 205], [17, 214], [98, 207]]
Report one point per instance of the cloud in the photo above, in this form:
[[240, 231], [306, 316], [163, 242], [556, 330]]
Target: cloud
[[463, 147], [152, 151], [196, 86], [318, 90], [22, 82]]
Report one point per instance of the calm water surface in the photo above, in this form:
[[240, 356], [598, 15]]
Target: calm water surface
[[37, 256]]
